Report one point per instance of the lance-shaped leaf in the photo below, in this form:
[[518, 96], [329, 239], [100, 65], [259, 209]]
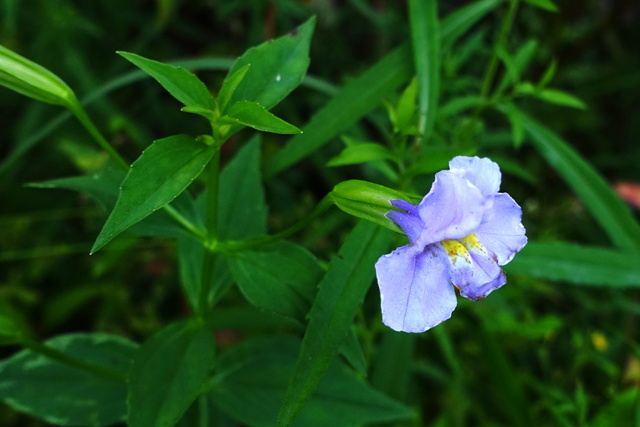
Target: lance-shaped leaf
[[28, 78], [69, 396], [180, 83], [161, 173], [169, 372], [361, 153], [277, 67], [255, 116], [229, 86], [340, 294]]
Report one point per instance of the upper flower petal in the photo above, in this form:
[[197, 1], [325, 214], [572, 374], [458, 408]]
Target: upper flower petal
[[474, 269], [453, 208], [501, 230], [414, 288], [409, 221], [481, 172]]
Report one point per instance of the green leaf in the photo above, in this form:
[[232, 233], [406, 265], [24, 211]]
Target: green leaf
[[243, 209], [622, 408], [76, 397], [606, 206], [30, 79], [229, 86], [515, 119], [435, 160], [161, 173], [362, 153], [277, 67], [544, 4], [169, 372], [343, 110], [402, 117], [559, 97], [583, 265], [12, 325], [281, 278], [180, 83], [458, 105], [367, 200], [517, 64], [425, 38], [363, 94], [252, 378], [549, 74], [340, 295], [255, 116]]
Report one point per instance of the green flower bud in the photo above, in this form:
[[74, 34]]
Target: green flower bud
[[30, 79], [368, 201]]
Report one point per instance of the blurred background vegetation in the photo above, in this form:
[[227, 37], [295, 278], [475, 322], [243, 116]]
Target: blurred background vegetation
[[551, 353]]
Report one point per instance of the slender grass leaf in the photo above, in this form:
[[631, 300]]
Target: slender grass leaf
[[255, 116], [605, 205], [169, 372], [582, 265], [560, 97], [361, 153], [355, 100], [251, 381], [458, 105], [393, 365], [516, 64], [282, 278], [63, 395], [161, 173], [277, 67], [544, 4], [365, 93], [425, 39], [515, 119], [549, 74], [458, 22], [180, 83], [340, 294]]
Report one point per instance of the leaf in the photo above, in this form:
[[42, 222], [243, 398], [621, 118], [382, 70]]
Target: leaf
[[425, 38], [340, 294], [180, 83], [549, 74], [605, 205], [343, 110], [544, 4], [361, 153], [13, 327], [252, 378], [76, 397], [169, 372], [364, 93], [517, 64], [560, 97], [277, 67], [458, 105], [281, 278], [255, 116], [161, 173], [435, 160], [243, 210], [515, 119], [582, 265], [229, 86]]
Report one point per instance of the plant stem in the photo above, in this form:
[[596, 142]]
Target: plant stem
[[83, 118], [209, 258], [500, 41], [64, 358], [321, 207]]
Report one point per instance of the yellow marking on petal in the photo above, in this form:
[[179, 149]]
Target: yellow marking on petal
[[455, 250]]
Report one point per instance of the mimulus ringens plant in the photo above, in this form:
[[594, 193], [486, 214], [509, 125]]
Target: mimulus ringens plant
[[460, 234]]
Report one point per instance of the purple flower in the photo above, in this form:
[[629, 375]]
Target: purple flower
[[460, 234]]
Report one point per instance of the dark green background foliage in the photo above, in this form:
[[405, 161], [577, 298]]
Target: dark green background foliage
[[557, 346]]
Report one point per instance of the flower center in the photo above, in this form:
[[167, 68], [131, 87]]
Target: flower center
[[459, 249]]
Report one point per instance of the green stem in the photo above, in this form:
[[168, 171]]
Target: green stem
[[212, 234], [83, 117], [502, 36], [321, 207], [64, 358], [490, 72]]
